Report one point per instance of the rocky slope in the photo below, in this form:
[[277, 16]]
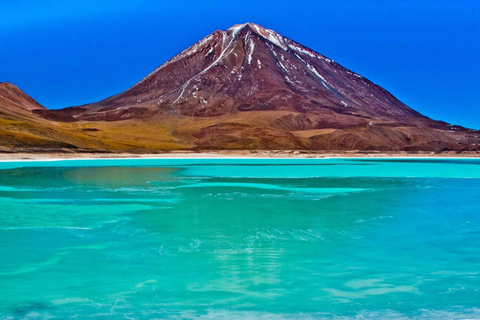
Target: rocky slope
[[250, 68], [250, 88], [16, 103]]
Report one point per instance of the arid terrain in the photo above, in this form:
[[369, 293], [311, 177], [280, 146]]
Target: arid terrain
[[246, 88]]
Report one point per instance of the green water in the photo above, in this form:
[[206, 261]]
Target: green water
[[247, 239]]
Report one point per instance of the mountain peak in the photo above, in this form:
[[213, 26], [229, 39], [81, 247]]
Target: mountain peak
[[267, 34], [253, 26], [7, 85]]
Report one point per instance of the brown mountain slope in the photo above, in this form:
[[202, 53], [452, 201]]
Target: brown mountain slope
[[23, 129], [16, 103], [26, 126], [250, 88], [19, 126]]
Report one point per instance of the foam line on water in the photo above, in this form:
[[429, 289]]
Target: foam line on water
[[272, 187], [32, 267], [45, 227], [13, 189]]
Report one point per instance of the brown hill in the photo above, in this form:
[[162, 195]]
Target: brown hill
[[26, 126], [16, 103], [20, 128]]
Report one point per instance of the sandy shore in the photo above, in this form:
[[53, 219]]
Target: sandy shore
[[231, 154]]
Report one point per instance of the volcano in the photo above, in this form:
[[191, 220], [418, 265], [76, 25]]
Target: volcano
[[250, 68], [250, 88]]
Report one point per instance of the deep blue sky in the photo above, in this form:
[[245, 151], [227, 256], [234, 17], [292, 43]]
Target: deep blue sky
[[64, 53]]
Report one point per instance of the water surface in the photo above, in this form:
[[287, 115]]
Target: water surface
[[294, 239]]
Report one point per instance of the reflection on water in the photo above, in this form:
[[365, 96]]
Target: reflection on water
[[190, 241]]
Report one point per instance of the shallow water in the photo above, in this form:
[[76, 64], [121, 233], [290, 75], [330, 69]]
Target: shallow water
[[249, 239]]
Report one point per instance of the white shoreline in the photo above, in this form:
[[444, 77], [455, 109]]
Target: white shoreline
[[33, 157]]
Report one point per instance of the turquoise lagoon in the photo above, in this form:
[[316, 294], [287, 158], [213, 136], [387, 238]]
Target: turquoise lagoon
[[240, 238]]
